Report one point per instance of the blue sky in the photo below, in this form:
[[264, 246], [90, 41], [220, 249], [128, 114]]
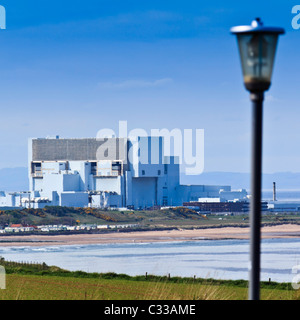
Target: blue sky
[[73, 67]]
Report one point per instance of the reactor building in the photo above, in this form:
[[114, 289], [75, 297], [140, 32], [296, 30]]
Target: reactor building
[[108, 172]]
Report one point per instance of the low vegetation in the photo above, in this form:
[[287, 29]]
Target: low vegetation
[[54, 215], [30, 281], [170, 218]]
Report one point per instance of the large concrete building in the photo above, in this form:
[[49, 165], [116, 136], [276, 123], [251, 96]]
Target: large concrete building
[[111, 172]]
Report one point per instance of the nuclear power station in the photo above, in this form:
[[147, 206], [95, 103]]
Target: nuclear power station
[[110, 172]]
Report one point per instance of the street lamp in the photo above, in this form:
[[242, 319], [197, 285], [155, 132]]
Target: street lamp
[[257, 47]]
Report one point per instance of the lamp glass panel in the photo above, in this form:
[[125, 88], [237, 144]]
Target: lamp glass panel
[[257, 53]]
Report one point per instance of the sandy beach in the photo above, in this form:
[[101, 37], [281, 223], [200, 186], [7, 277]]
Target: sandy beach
[[280, 231]]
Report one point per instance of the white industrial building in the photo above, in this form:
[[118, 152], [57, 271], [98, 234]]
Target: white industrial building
[[284, 206], [110, 172]]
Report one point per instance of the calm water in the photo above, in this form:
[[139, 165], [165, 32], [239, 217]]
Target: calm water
[[220, 259]]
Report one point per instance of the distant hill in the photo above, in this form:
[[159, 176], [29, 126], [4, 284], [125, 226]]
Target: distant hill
[[16, 179], [284, 180]]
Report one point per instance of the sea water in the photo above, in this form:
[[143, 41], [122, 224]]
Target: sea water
[[281, 195], [219, 259]]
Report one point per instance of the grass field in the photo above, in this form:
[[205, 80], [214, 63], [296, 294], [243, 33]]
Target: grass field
[[35, 287], [41, 282]]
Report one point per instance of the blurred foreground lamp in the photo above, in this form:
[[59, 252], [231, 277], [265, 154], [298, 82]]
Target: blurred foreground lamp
[[257, 46]]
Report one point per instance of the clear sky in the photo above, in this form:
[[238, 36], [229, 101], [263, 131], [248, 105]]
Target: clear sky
[[70, 68]]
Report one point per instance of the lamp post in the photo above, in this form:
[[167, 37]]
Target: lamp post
[[257, 47]]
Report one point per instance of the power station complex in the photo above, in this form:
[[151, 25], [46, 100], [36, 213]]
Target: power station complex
[[110, 172]]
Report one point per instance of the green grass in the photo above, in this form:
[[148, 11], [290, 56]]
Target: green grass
[[35, 287], [25, 281]]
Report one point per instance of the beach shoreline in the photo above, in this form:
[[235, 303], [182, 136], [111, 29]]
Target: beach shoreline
[[221, 233]]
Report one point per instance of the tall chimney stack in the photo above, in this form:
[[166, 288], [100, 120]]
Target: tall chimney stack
[[274, 191]]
